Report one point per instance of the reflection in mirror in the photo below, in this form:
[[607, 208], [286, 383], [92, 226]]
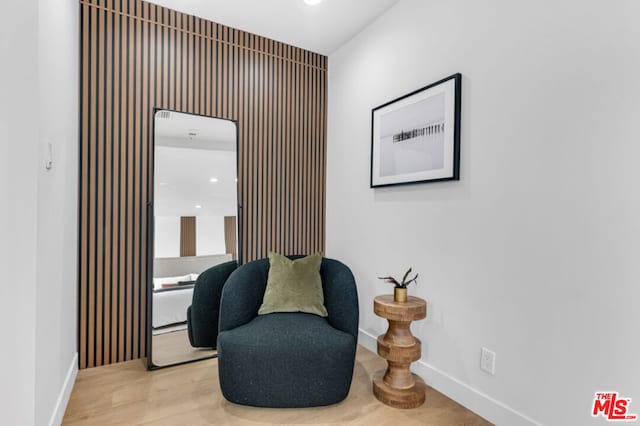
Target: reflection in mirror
[[195, 209]]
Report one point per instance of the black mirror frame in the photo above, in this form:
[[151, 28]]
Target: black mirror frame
[[151, 239]]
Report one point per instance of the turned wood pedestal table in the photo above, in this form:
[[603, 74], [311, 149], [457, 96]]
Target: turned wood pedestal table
[[397, 386]]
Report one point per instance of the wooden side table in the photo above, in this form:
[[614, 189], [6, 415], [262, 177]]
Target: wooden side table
[[398, 387]]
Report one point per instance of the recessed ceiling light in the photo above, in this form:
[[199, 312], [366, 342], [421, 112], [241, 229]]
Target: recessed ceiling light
[[312, 2], [198, 206], [213, 180]]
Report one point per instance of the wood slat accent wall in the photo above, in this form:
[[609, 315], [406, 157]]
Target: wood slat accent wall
[[187, 236], [136, 56]]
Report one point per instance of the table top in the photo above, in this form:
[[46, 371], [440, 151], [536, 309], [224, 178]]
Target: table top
[[413, 309]]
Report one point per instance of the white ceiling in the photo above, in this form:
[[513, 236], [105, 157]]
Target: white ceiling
[[185, 164], [321, 28], [182, 182], [194, 131]]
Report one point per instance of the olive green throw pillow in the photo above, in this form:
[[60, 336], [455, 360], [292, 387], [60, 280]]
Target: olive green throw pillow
[[294, 286]]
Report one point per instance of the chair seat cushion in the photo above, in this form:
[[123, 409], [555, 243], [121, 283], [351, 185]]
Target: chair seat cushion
[[286, 360]]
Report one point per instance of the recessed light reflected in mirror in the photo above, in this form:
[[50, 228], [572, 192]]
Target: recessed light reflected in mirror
[[198, 206], [213, 180], [312, 2]]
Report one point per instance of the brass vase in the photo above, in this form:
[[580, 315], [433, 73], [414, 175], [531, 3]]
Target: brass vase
[[400, 294]]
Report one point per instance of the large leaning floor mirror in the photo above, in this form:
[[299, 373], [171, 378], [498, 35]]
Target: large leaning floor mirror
[[193, 226]]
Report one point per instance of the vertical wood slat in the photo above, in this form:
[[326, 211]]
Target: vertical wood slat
[[84, 165], [136, 56], [144, 166], [130, 163], [100, 104], [92, 256], [187, 236], [108, 217], [230, 240], [121, 206]]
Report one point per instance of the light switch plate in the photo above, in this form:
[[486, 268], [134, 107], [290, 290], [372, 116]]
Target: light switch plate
[[49, 162]]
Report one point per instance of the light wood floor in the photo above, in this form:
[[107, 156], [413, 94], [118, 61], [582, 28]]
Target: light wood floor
[[190, 395], [174, 347]]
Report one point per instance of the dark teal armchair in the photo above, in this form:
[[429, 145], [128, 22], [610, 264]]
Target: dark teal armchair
[[288, 359], [202, 315]]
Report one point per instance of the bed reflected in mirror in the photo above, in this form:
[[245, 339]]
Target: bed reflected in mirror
[[193, 225]]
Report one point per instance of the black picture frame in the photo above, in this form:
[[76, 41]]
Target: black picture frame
[[416, 138]]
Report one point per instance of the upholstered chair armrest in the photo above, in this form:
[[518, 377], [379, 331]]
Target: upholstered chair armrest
[[202, 315], [242, 294], [208, 288], [340, 296]]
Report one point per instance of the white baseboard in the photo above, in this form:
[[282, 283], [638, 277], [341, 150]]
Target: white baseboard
[[494, 411], [65, 393]]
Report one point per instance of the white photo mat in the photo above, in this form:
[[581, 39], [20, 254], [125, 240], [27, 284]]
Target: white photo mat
[[415, 138]]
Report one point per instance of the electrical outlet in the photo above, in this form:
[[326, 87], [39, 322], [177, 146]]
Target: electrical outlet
[[488, 361]]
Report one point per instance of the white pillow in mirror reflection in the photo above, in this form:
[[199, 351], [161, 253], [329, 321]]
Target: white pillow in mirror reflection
[[158, 282]]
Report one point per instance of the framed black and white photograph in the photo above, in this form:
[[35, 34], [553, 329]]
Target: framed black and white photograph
[[416, 138]]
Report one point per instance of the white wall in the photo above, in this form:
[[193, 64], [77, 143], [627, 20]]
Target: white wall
[[167, 236], [57, 242], [18, 205], [533, 253], [38, 82], [210, 235]]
